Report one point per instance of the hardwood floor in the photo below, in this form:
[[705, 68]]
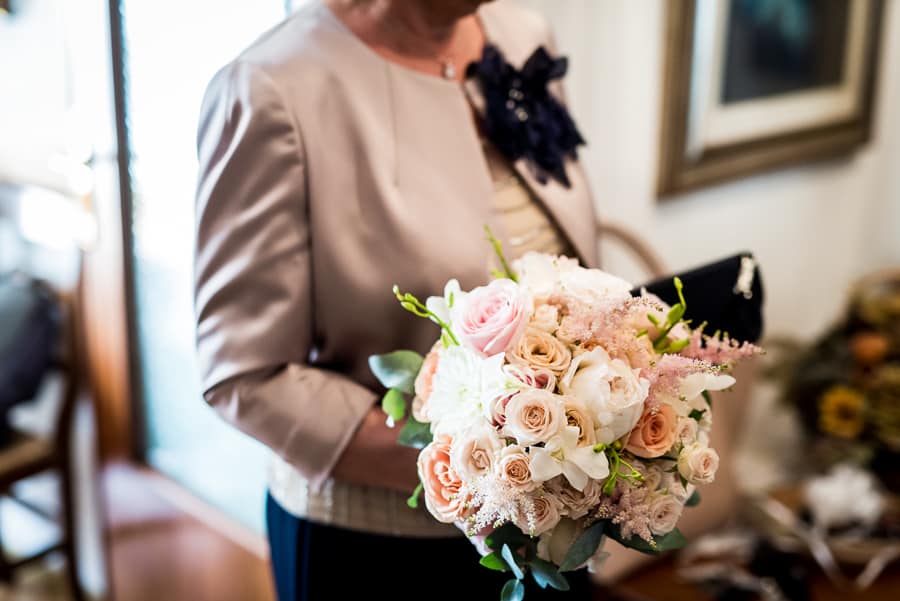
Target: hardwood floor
[[164, 546]]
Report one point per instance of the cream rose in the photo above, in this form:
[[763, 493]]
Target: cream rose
[[475, 451], [490, 319], [546, 318], [610, 390], [664, 513], [698, 463], [534, 416], [654, 433], [539, 515], [514, 467], [579, 417], [576, 503], [531, 377], [686, 430], [445, 496], [541, 350]]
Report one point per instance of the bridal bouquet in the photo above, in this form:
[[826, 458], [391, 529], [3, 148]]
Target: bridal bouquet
[[557, 409]]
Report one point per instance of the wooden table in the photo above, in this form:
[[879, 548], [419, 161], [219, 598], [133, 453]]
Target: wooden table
[[661, 582]]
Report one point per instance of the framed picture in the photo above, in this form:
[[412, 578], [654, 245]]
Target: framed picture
[[752, 85]]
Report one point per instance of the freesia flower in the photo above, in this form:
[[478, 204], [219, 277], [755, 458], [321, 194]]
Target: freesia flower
[[562, 455]]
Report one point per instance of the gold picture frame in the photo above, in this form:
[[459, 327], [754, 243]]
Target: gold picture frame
[[706, 140]]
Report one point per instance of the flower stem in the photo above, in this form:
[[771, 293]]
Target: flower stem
[[498, 249]]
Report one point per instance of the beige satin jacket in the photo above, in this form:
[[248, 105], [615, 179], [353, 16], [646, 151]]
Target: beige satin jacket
[[327, 175]]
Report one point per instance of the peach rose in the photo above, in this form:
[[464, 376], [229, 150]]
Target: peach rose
[[515, 468], [579, 417], [541, 350], [445, 496], [534, 416], [425, 378], [654, 433], [490, 319]]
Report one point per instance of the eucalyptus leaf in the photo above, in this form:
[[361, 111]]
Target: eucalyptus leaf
[[546, 574], [493, 561], [513, 590], [394, 404], [584, 547], [512, 561], [415, 434], [507, 534], [693, 500], [397, 370], [668, 542]]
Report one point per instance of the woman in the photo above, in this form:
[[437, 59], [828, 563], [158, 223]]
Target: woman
[[345, 151]]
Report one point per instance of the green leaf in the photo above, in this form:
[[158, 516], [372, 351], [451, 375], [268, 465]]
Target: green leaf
[[696, 414], [546, 574], [668, 542], [397, 370], [693, 500], [507, 534], [415, 434], [394, 404], [584, 546], [512, 562], [513, 590], [678, 345], [708, 398], [675, 314], [413, 501], [493, 561]]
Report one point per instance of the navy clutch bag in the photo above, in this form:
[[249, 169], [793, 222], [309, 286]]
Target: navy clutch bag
[[726, 294]]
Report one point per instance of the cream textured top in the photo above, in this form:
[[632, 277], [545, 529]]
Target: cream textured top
[[528, 228]]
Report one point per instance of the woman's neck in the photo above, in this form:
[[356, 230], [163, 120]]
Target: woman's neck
[[415, 33]]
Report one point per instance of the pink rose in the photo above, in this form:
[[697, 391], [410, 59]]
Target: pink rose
[[491, 318], [444, 494], [654, 433]]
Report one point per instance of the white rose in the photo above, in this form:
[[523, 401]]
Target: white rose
[[540, 273], [554, 545], [593, 285], [534, 416], [546, 318], [475, 451], [514, 467], [540, 515], [698, 463], [611, 391], [664, 513]]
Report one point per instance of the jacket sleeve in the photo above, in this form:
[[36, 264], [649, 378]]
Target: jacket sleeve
[[252, 280]]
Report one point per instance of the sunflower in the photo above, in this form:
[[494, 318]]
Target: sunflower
[[842, 412]]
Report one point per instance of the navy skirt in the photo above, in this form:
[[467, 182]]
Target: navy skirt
[[315, 562]]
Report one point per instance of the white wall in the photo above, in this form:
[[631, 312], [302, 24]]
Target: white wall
[[814, 228]]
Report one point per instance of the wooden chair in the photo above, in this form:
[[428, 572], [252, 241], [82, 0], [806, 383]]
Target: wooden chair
[[29, 455]]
